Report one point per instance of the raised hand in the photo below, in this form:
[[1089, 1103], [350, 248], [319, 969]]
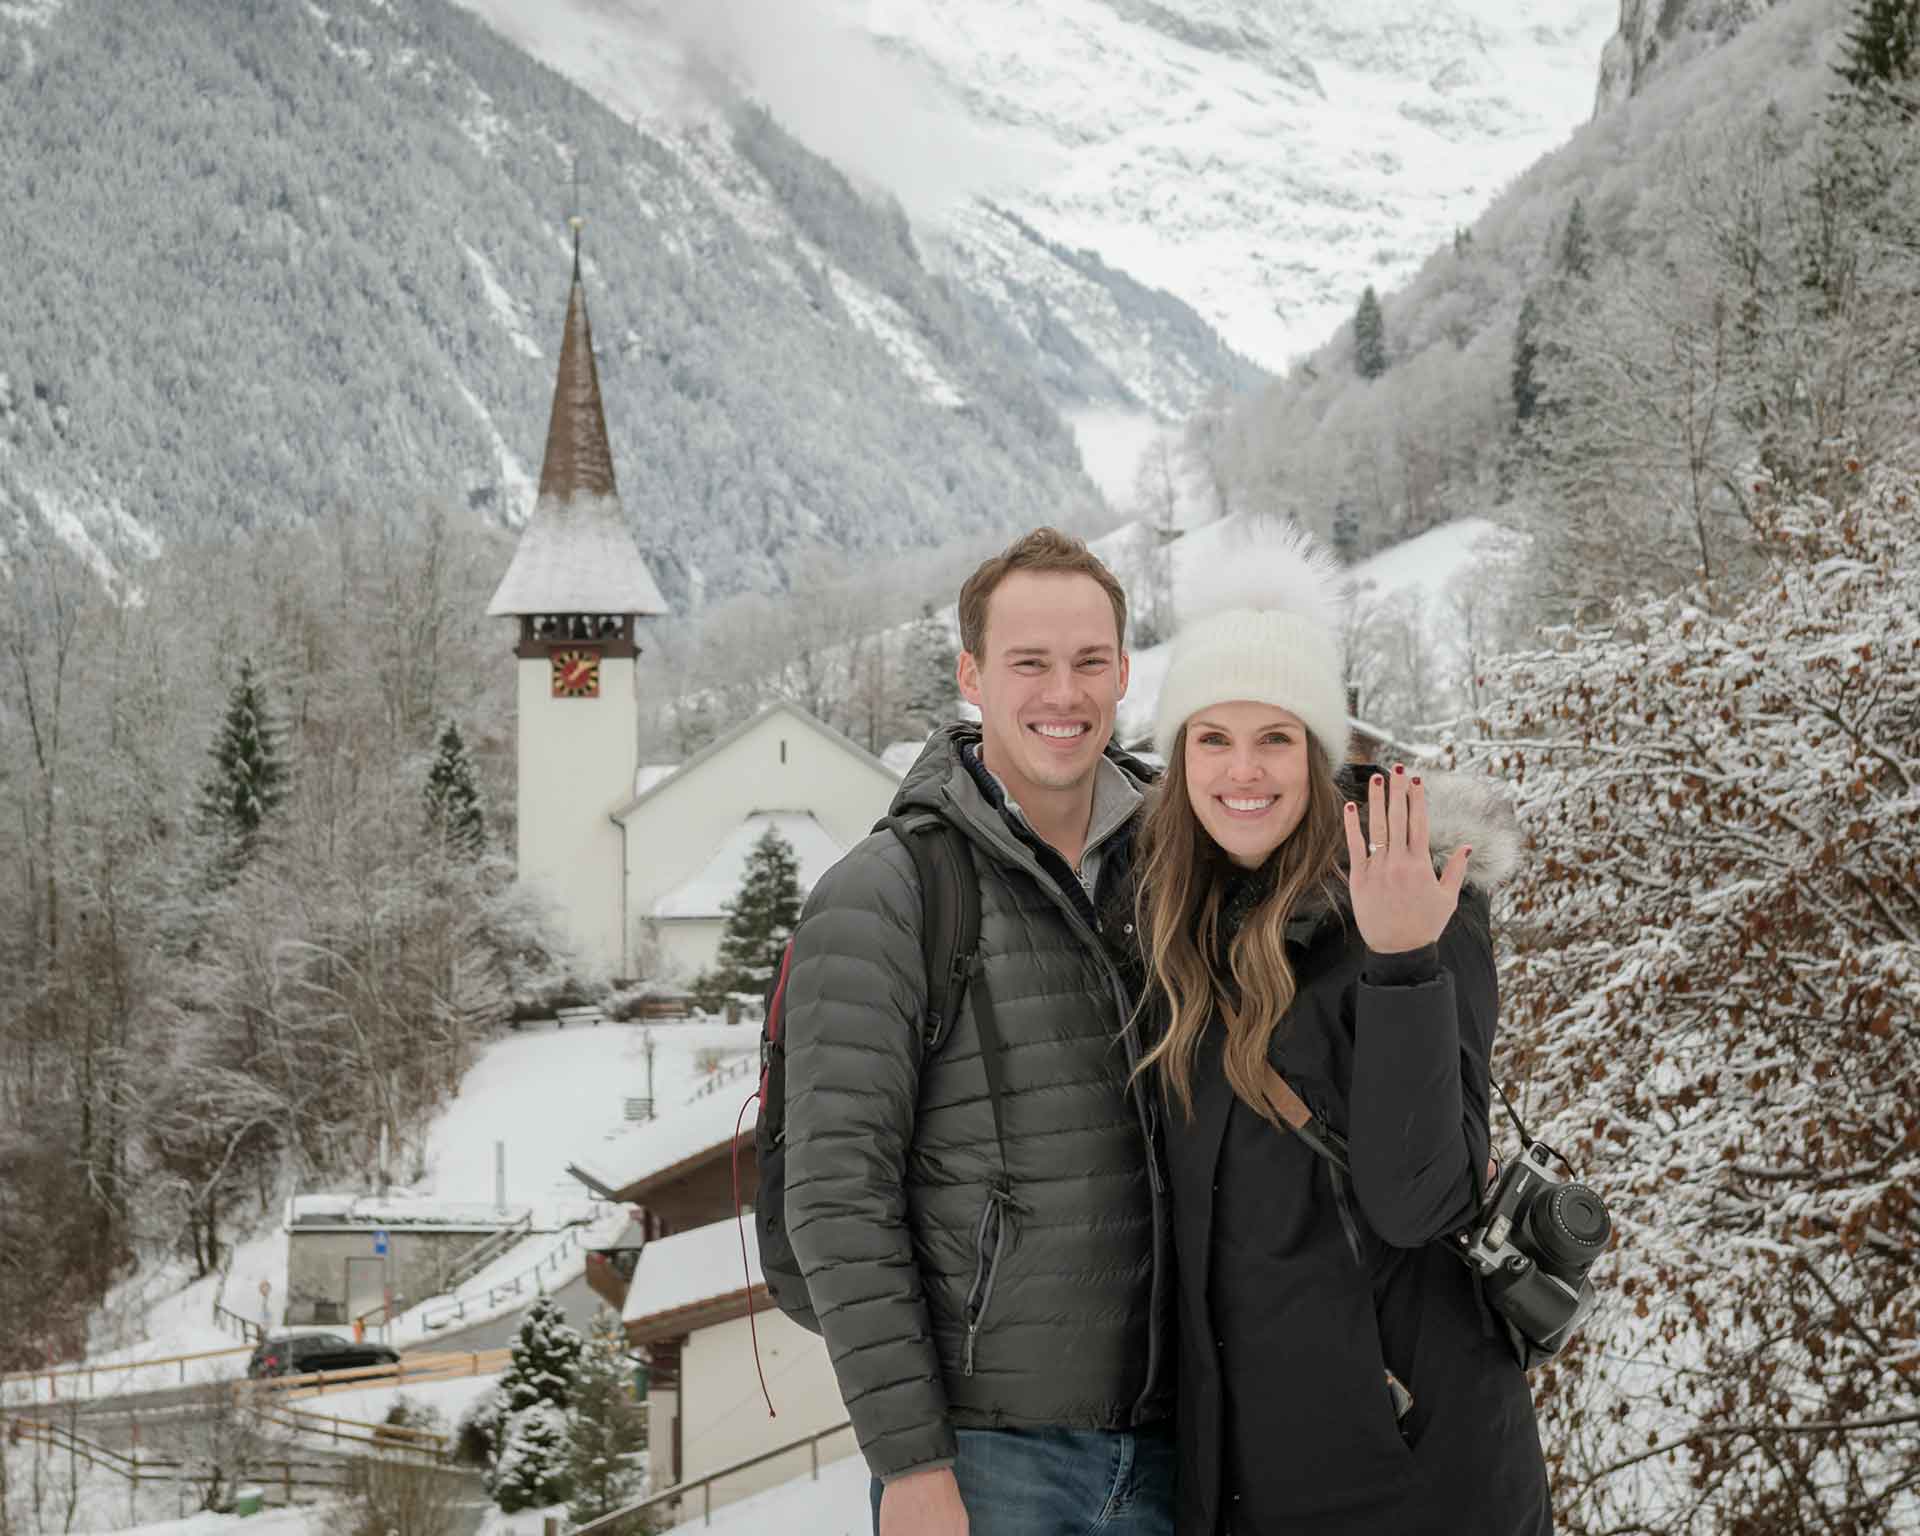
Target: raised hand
[[1399, 903]]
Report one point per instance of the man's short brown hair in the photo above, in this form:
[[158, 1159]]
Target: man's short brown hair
[[1045, 549]]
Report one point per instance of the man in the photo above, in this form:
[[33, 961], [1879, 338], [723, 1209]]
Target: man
[[997, 1330]]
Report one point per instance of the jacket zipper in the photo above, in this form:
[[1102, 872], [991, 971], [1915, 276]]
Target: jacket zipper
[[1346, 1212]]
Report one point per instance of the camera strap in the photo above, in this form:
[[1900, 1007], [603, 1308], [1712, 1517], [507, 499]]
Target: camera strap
[[1292, 1109]]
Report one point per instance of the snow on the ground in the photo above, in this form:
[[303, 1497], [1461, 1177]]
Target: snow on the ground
[[893, 328], [837, 1504], [554, 1096], [702, 1264], [518, 485], [501, 303], [651, 1146], [369, 1405], [76, 1497]]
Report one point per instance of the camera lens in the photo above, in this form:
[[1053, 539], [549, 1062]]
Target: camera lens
[[1571, 1227]]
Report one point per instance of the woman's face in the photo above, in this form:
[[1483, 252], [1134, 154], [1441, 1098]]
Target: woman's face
[[1247, 777]]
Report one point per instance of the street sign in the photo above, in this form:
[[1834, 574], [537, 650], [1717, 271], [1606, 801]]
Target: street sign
[[379, 1240]]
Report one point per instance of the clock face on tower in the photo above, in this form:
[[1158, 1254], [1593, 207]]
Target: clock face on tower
[[576, 674]]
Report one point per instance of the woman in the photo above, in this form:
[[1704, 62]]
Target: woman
[[1338, 1372]]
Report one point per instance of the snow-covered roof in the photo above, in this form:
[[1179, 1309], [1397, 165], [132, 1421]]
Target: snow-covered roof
[[899, 756], [718, 880], [685, 1132], [690, 1268], [577, 556], [720, 744], [651, 774], [398, 1210]]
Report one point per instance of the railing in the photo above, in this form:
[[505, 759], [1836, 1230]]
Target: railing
[[484, 1252], [455, 1311], [53, 1378], [704, 1484], [733, 1071], [286, 1473], [232, 1322], [412, 1370]]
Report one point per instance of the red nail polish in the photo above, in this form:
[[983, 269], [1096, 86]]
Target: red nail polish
[[1399, 767], [1416, 778]]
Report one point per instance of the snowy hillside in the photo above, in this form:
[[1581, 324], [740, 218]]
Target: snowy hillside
[[1261, 162]]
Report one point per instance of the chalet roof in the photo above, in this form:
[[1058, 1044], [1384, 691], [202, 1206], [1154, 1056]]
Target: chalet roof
[[705, 892], [576, 553], [693, 1278]]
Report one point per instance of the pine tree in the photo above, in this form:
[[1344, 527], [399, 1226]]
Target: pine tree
[[546, 1355], [532, 1470], [1883, 46], [607, 1423], [454, 818], [1369, 337], [249, 777], [930, 661], [1526, 350], [1346, 532], [760, 919], [1576, 245]]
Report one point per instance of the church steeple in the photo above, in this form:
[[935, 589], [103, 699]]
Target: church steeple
[[577, 586], [576, 555]]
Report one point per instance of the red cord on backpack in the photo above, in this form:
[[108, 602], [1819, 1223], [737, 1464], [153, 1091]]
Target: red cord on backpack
[[745, 1265]]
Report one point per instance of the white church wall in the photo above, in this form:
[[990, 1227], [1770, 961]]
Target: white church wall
[[686, 946], [576, 765], [782, 763]]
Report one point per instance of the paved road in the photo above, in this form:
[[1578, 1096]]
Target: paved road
[[578, 1303]]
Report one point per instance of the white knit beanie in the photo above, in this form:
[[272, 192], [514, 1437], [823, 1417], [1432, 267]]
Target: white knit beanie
[[1266, 627]]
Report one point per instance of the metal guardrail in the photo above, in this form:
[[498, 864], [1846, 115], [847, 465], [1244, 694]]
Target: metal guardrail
[[286, 1473], [732, 1072], [680, 1492], [484, 1252], [455, 1311], [232, 1322]]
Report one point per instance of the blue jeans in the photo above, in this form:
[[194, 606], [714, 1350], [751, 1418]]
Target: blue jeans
[[1063, 1482]]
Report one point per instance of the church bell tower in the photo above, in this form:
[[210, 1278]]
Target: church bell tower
[[576, 588]]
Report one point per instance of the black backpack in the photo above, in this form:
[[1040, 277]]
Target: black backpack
[[949, 941]]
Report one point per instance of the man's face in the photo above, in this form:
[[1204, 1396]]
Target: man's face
[[1049, 680]]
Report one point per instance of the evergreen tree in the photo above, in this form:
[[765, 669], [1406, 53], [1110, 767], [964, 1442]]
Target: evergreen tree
[[1346, 532], [1369, 337], [607, 1423], [1526, 350], [533, 1466], [1883, 46], [1576, 245], [249, 777], [454, 818], [760, 919], [930, 661], [546, 1356]]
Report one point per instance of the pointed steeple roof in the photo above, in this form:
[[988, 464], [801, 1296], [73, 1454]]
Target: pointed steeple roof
[[576, 553]]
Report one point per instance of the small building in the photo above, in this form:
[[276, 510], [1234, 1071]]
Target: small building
[[688, 1309], [350, 1256], [688, 832]]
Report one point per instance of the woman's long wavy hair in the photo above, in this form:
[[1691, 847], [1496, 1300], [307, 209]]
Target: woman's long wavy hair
[[1182, 883]]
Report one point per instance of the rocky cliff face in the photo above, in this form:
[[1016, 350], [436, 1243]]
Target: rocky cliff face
[[1657, 34]]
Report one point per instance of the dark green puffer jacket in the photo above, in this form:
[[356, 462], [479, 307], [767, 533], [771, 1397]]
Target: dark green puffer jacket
[[932, 1324]]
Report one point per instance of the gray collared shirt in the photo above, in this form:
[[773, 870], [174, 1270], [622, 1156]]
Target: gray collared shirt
[[1114, 801]]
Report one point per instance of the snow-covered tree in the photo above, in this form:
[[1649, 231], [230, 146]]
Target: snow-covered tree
[[1526, 348], [455, 821], [532, 1468], [760, 919], [1574, 259], [931, 694], [545, 1359], [1369, 336], [249, 776], [1711, 956], [607, 1423]]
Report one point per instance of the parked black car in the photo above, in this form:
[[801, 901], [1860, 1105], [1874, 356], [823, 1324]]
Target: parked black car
[[297, 1354]]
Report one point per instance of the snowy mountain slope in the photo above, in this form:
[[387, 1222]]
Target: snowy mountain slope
[[1261, 162], [1652, 38], [289, 259]]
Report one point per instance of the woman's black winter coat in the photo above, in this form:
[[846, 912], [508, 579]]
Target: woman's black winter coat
[[1299, 1287]]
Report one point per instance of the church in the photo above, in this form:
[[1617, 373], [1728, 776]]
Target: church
[[634, 864]]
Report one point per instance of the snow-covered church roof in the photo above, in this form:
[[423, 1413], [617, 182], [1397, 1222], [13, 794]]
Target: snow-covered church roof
[[718, 880], [576, 553]]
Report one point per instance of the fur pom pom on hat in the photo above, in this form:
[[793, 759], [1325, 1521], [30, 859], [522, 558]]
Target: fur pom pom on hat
[[1266, 628]]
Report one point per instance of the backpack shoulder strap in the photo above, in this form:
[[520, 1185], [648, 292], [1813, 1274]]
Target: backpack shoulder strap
[[949, 912], [950, 940]]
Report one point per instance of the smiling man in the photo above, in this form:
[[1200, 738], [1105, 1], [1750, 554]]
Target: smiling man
[[981, 1221]]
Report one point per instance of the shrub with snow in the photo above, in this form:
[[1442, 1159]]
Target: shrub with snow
[[532, 1468]]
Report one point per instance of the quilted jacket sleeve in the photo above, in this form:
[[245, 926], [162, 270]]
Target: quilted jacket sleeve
[[1423, 1041], [856, 995]]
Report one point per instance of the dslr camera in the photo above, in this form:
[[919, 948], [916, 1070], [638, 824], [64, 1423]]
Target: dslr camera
[[1532, 1245]]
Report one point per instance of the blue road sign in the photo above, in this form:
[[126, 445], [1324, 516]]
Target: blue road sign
[[379, 1240]]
